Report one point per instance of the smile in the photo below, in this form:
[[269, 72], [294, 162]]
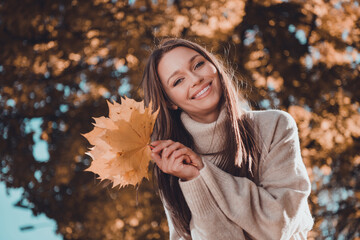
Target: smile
[[203, 92]]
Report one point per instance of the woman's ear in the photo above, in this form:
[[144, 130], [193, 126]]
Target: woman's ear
[[172, 106]]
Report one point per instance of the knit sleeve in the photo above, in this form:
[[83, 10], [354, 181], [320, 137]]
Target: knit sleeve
[[276, 209], [204, 229]]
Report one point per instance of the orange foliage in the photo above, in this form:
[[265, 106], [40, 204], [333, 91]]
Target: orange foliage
[[121, 152]]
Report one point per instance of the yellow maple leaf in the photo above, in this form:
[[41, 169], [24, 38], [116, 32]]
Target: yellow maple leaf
[[121, 151]]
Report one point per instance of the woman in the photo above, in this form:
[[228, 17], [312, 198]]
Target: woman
[[222, 172]]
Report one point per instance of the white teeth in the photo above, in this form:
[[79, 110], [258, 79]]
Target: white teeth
[[202, 92]]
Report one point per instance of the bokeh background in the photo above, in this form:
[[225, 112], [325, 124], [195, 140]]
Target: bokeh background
[[60, 60]]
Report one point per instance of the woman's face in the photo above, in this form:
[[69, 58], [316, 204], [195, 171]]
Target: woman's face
[[192, 83]]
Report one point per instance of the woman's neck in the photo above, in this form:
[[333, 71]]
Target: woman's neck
[[210, 117], [208, 137]]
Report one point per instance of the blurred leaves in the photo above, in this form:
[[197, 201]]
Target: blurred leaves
[[59, 60]]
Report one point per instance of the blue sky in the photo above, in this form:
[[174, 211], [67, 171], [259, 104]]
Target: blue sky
[[12, 218]]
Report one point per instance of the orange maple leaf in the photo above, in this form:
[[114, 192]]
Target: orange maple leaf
[[121, 151]]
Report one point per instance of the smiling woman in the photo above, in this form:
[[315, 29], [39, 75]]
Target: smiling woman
[[222, 172], [192, 83]]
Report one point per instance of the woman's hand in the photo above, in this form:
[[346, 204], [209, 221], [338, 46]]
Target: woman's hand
[[176, 159]]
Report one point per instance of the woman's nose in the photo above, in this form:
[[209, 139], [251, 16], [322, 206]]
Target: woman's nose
[[196, 79]]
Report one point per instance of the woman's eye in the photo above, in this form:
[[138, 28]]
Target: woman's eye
[[199, 64], [177, 81]]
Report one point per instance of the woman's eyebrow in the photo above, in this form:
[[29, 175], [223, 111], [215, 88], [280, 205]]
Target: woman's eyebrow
[[177, 71]]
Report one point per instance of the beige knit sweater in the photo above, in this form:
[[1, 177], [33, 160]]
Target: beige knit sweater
[[224, 206]]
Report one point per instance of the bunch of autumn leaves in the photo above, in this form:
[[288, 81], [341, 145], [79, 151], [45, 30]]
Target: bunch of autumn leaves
[[121, 151]]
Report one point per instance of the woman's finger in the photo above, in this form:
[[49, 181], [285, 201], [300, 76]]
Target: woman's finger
[[160, 145], [178, 166], [171, 165], [155, 143], [195, 159], [187, 160], [178, 152], [157, 158], [167, 151], [173, 158], [189, 155], [181, 170]]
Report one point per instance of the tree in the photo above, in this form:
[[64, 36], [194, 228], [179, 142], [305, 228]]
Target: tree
[[60, 60]]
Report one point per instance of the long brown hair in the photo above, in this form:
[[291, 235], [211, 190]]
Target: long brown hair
[[241, 151]]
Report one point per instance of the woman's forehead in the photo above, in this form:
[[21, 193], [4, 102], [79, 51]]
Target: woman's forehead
[[175, 60], [179, 53]]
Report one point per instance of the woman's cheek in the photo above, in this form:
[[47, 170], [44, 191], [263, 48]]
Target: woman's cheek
[[212, 69]]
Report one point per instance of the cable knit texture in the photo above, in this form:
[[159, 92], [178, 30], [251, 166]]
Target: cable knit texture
[[224, 206], [207, 136]]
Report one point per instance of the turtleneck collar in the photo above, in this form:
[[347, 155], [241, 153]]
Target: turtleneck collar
[[208, 137]]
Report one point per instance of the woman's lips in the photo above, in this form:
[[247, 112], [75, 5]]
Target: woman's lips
[[203, 93]]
